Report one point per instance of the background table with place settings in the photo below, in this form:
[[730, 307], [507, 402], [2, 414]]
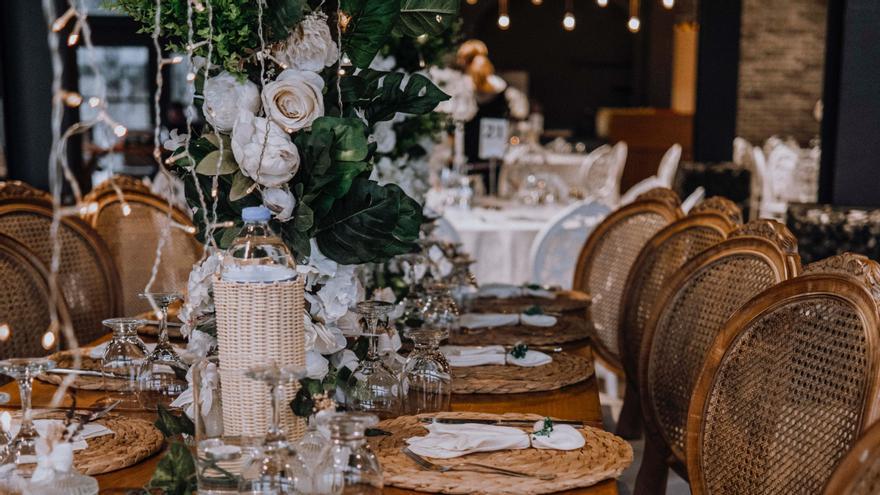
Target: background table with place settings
[[500, 238]]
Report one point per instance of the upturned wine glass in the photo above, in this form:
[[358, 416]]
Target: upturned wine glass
[[23, 370], [161, 378], [377, 389], [121, 362]]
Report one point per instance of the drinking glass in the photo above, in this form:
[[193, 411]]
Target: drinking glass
[[355, 468], [313, 450], [412, 302], [427, 372], [439, 310], [377, 388], [275, 468], [160, 378], [23, 370], [122, 360]]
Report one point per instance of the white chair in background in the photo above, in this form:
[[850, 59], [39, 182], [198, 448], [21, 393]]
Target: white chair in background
[[555, 250], [693, 199], [664, 177], [601, 173]]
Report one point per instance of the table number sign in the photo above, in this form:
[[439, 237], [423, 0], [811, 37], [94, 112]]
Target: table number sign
[[493, 138]]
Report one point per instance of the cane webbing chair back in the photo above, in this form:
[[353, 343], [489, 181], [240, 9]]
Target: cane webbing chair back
[[87, 275], [608, 255], [859, 471], [24, 302], [789, 384], [133, 239], [125, 183], [700, 298], [707, 224], [16, 189]]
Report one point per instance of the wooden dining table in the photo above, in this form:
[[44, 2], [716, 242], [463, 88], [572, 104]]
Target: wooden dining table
[[576, 402]]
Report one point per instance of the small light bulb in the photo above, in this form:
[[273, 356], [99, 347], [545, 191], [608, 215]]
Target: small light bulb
[[602, 3], [126, 210], [345, 59], [341, 72], [73, 39], [73, 99], [537, 2], [177, 59], [48, 340], [634, 24], [94, 101], [190, 76], [439, 19], [503, 21], [93, 207], [120, 130], [471, 2], [5, 332], [669, 4], [190, 229], [568, 21]]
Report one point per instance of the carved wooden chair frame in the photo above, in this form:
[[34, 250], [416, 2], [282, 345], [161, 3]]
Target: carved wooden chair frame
[[862, 463]]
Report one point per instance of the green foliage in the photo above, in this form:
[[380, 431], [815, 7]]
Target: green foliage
[[379, 95], [371, 223], [172, 425], [519, 351], [370, 24], [176, 472], [546, 430], [533, 310], [426, 17]]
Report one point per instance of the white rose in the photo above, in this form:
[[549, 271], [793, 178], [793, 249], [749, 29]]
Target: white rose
[[317, 365], [225, 95], [294, 99], [280, 159], [339, 293], [310, 47], [383, 134], [345, 359], [280, 201], [321, 338], [198, 346]]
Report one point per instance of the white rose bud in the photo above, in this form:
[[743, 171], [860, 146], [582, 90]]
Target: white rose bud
[[310, 47], [275, 165], [225, 95], [280, 201], [294, 99]]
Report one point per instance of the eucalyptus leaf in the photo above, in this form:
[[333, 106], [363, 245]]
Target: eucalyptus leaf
[[430, 17], [209, 164], [370, 23], [370, 223], [241, 185]]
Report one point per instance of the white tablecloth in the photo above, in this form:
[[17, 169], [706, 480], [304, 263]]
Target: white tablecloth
[[501, 240]]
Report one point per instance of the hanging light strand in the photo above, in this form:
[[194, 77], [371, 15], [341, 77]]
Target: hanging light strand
[[503, 16], [634, 23]]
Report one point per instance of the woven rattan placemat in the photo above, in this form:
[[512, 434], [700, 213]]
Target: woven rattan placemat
[[564, 302], [566, 369], [64, 359], [568, 328], [603, 457], [132, 441]]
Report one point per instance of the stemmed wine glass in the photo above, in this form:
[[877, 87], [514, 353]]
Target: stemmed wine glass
[[161, 376], [377, 389], [122, 360], [275, 469], [23, 370], [412, 302]]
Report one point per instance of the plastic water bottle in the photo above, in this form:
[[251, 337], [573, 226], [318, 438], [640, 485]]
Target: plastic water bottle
[[257, 254]]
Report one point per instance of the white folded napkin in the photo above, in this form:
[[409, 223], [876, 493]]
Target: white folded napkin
[[562, 437], [489, 320], [445, 441], [465, 356], [506, 291], [90, 430]]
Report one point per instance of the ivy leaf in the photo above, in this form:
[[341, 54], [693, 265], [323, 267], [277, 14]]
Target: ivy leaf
[[431, 17], [370, 24], [176, 472], [209, 164], [171, 425], [241, 184], [369, 224]]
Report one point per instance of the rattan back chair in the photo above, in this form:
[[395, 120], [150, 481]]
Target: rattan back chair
[[789, 384], [87, 275], [607, 257], [698, 301], [16, 189], [859, 471], [133, 238], [25, 302], [706, 225]]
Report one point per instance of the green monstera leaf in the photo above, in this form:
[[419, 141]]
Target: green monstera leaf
[[369, 224], [431, 17], [381, 94], [369, 25]]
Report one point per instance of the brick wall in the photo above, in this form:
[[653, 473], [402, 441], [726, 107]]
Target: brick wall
[[782, 50]]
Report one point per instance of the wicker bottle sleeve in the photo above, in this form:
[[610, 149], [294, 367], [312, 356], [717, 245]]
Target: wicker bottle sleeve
[[258, 322]]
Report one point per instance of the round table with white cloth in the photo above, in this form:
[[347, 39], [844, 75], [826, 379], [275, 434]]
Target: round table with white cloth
[[501, 239]]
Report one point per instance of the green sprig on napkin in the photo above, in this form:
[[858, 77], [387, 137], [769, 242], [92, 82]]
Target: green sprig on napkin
[[534, 310], [519, 351], [546, 430]]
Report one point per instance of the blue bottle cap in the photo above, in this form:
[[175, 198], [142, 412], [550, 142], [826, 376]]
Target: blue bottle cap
[[256, 214]]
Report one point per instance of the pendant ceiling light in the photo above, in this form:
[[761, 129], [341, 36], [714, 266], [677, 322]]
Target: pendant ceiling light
[[503, 17], [568, 20], [634, 23]]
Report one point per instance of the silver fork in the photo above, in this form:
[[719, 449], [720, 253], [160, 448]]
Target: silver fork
[[471, 466]]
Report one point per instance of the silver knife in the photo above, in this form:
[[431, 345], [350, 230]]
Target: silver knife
[[71, 371], [498, 422]]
